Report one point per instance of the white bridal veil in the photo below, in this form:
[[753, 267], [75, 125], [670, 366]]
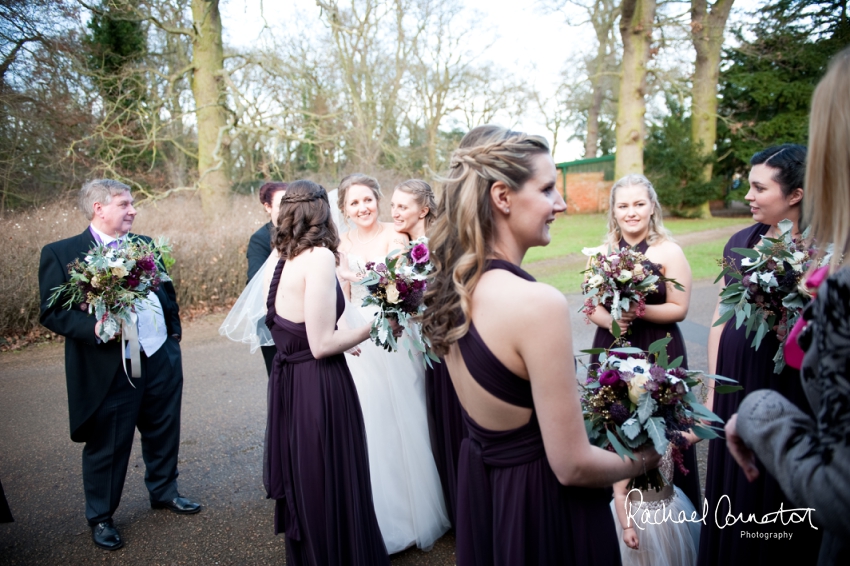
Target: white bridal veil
[[246, 321]]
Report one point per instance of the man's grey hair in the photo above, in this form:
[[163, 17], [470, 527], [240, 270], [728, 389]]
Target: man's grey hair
[[99, 190]]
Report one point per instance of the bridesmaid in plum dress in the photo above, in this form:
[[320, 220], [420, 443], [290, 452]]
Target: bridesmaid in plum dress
[[634, 219], [414, 210], [315, 466], [531, 488], [776, 193]]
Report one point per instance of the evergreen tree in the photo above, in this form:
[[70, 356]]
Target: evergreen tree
[[675, 164], [767, 82], [116, 42]]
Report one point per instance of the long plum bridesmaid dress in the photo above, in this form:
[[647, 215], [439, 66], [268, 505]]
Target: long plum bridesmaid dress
[[316, 467], [511, 508]]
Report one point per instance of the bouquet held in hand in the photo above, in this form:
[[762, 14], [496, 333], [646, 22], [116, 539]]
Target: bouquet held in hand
[[767, 295], [619, 279], [109, 281], [634, 399], [397, 286]]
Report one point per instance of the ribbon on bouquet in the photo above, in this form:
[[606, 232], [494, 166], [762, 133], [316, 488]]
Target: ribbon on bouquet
[[130, 339]]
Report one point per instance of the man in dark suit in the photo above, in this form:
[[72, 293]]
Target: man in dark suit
[[104, 406], [260, 246]]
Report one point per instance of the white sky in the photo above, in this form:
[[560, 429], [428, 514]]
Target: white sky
[[530, 44]]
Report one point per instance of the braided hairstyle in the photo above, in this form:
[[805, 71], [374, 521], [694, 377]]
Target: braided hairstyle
[[422, 195], [462, 236], [304, 221]]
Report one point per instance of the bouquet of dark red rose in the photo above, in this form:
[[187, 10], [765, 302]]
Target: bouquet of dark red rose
[[634, 398], [767, 294], [109, 281], [617, 280], [397, 286]]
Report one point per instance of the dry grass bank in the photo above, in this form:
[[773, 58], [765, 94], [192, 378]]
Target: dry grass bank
[[209, 272]]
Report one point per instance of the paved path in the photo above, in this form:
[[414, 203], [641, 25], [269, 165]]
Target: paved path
[[220, 459]]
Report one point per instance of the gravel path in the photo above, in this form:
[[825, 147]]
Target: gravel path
[[220, 459]]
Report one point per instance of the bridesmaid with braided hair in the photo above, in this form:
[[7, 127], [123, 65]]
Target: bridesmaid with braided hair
[[391, 386], [414, 212], [316, 466], [531, 488]]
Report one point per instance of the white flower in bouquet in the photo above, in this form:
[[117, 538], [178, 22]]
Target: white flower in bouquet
[[392, 293], [119, 271], [595, 281], [799, 259], [639, 368], [624, 276]]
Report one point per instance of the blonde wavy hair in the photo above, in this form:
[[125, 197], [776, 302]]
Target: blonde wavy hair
[[461, 238], [657, 231], [828, 162]]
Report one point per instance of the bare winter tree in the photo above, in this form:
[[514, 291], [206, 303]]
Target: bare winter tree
[[708, 22], [211, 118], [40, 112], [373, 46], [441, 66], [636, 24]]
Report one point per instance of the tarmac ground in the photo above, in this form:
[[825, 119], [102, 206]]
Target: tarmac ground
[[221, 455]]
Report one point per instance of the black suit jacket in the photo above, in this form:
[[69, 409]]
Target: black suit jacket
[[89, 366], [259, 249]]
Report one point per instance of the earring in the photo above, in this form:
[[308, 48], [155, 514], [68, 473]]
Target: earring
[[507, 210]]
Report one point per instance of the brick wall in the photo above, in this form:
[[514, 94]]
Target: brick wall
[[587, 193]]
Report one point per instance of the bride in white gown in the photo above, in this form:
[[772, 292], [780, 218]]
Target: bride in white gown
[[405, 485]]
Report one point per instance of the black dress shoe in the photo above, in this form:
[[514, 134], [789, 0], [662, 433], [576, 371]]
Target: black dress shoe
[[105, 535], [178, 505]]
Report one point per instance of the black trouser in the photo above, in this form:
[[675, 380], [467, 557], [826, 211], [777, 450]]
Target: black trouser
[[268, 357], [154, 407]]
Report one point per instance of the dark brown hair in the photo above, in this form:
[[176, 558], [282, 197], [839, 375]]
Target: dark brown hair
[[268, 190], [305, 221]]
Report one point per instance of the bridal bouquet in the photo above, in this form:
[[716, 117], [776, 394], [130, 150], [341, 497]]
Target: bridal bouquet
[[767, 294], [397, 286], [109, 281], [634, 398], [619, 278]]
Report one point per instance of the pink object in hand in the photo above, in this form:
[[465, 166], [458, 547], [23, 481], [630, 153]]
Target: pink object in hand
[[793, 353]]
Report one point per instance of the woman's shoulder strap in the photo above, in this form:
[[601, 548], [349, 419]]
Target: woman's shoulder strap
[[273, 292], [508, 266]]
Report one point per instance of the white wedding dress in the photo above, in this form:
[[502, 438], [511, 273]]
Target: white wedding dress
[[666, 523], [405, 485]]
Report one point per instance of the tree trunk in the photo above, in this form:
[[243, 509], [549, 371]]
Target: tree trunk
[[591, 140], [707, 34], [636, 30], [208, 89], [603, 15]]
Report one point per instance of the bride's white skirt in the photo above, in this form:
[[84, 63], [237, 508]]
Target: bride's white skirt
[[666, 544], [405, 485]]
